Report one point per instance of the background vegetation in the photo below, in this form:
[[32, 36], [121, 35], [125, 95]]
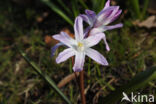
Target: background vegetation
[[29, 25]]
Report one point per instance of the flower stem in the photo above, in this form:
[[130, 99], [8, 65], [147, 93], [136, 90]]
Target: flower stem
[[83, 99], [82, 87]]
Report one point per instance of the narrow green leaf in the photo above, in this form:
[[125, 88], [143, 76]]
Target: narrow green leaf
[[75, 8], [95, 5], [83, 4], [64, 6], [136, 7], [45, 77], [58, 11], [139, 81], [146, 2], [102, 4]]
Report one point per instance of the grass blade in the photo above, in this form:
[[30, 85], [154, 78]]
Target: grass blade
[[139, 81], [98, 5], [45, 77], [58, 11], [102, 4], [83, 4], [145, 8], [136, 7], [64, 6], [75, 8], [94, 5]]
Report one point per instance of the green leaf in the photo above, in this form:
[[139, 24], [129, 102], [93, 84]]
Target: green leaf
[[83, 4], [58, 11], [136, 7], [98, 5], [64, 6], [95, 5], [75, 8], [139, 81], [102, 4], [45, 77], [145, 8]]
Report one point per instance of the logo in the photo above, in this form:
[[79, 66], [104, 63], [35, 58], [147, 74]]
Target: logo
[[137, 97]]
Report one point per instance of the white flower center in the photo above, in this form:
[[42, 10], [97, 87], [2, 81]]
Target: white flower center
[[80, 46]]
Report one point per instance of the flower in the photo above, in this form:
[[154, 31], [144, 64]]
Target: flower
[[79, 47], [98, 23]]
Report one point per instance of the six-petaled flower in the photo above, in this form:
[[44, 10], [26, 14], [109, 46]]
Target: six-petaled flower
[[79, 47], [98, 23], [84, 40]]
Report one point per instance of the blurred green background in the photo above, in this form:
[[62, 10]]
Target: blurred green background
[[29, 25]]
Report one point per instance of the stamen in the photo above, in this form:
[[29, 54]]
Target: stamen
[[80, 45]]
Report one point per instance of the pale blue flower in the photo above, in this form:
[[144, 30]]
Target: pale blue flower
[[80, 46], [99, 23]]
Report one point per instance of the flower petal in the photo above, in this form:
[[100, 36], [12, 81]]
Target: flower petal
[[65, 39], [112, 16], [91, 15], [79, 61], [104, 28], [93, 40], [116, 15], [95, 55], [106, 11], [87, 30], [63, 56], [111, 27], [54, 48], [106, 16], [78, 28], [107, 4], [85, 18], [105, 41], [96, 31]]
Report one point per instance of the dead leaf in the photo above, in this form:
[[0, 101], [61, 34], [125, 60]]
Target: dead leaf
[[50, 41], [152, 11], [148, 23], [67, 79], [68, 32], [152, 7]]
